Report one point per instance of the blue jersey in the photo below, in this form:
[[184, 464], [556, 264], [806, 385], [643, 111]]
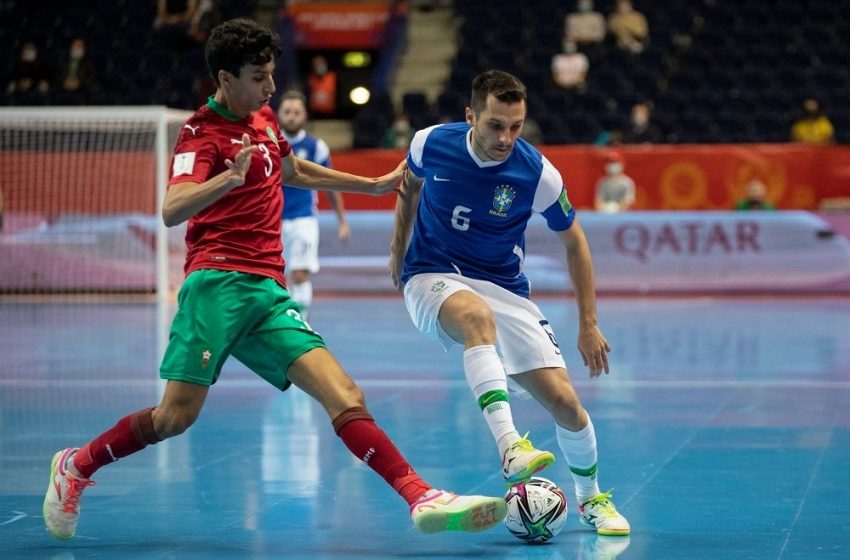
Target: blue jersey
[[472, 214], [297, 202]]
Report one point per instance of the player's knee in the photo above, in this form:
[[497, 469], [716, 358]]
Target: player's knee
[[566, 409], [300, 276], [354, 396], [478, 321]]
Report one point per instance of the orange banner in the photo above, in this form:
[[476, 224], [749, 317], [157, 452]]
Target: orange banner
[[667, 177], [710, 177]]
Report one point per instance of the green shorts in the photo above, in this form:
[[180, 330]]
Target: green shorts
[[249, 316]]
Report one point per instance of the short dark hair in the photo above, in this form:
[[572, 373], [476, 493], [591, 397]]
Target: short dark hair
[[503, 86], [293, 94], [238, 42]]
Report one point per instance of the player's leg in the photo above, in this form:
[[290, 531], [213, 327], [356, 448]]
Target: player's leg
[[192, 361], [71, 469], [577, 439], [533, 359], [301, 288], [444, 307], [284, 349], [301, 253], [320, 376]]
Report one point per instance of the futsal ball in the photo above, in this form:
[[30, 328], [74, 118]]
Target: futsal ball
[[537, 510]]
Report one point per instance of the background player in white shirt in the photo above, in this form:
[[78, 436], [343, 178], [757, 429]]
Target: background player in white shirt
[[300, 206], [472, 187]]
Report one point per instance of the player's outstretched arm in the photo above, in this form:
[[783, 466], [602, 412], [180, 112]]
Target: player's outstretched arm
[[308, 175], [405, 211], [591, 342], [184, 200]]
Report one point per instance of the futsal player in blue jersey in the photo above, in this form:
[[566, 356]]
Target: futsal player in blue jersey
[[300, 209], [468, 195]]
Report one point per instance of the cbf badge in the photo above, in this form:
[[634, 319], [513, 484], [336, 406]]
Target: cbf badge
[[272, 135], [502, 200]]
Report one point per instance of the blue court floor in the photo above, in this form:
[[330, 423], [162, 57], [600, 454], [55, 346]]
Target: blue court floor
[[724, 430]]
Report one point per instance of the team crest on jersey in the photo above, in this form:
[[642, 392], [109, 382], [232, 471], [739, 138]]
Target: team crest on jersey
[[502, 200], [272, 135]]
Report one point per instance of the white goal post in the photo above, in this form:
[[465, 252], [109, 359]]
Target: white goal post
[[82, 189]]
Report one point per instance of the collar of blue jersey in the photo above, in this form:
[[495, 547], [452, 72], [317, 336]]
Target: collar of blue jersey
[[297, 137], [478, 161], [221, 109]]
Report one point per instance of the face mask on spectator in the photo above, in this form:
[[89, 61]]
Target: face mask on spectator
[[613, 168]]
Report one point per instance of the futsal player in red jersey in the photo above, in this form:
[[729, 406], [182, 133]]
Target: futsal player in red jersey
[[227, 168]]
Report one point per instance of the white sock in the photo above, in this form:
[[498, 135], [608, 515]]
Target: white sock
[[486, 377], [579, 448], [303, 295]]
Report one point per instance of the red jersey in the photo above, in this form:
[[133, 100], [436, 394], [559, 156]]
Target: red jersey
[[241, 230]]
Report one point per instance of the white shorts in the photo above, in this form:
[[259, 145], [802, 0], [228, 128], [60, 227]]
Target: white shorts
[[301, 244], [524, 338]]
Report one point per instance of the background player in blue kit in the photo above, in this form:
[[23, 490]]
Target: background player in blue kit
[[300, 209], [468, 195]]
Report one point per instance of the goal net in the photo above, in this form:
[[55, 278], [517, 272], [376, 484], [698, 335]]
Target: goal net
[[81, 189]]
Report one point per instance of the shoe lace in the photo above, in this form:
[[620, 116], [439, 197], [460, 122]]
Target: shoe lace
[[71, 503], [524, 444], [602, 502]]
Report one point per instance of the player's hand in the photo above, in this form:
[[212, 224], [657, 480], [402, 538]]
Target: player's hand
[[594, 350], [343, 232], [240, 163], [391, 181]]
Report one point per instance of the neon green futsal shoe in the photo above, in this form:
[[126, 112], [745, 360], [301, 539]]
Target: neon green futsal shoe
[[521, 461], [599, 512]]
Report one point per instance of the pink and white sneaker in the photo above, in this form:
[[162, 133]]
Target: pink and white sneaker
[[62, 502], [439, 511]]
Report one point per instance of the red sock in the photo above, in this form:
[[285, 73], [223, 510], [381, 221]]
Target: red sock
[[358, 431], [132, 433]]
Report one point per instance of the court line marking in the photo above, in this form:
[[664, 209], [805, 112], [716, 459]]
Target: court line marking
[[443, 383], [18, 516]]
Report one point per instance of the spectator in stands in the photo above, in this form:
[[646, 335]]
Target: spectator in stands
[[641, 129], [321, 86], [813, 127], [30, 75], [629, 27], [399, 134], [755, 197], [615, 192], [173, 19], [609, 137], [585, 27], [569, 68], [205, 18], [76, 74]]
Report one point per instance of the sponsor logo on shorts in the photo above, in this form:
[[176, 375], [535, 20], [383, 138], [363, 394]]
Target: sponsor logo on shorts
[[438, 286]]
